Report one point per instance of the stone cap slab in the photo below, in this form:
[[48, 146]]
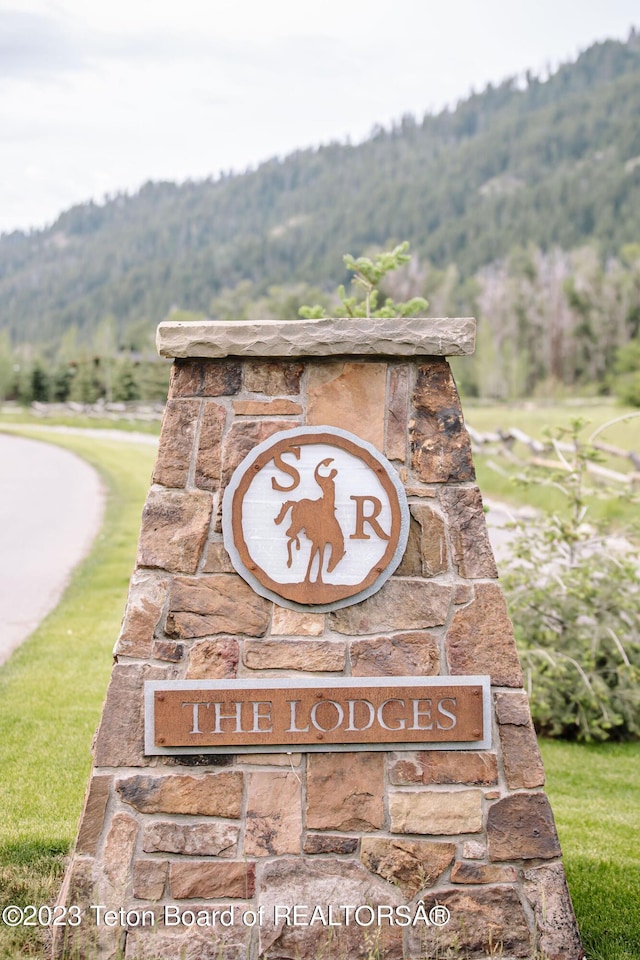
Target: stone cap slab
[[387, 337]]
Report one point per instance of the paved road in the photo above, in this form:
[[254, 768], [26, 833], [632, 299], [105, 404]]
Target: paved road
[[51, 505]]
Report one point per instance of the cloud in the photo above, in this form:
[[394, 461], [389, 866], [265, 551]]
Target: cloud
[[35, 45]]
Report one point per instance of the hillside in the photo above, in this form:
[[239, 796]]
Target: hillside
[[553, 164]]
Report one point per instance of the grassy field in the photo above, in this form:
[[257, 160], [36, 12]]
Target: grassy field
[[52, 689]]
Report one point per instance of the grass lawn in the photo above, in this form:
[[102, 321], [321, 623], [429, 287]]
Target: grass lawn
[[51, 693]]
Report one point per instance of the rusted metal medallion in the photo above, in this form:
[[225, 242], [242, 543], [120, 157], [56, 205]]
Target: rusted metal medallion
[[315, 517]]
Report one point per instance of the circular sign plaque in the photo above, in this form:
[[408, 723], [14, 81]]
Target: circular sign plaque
[[315, 517]]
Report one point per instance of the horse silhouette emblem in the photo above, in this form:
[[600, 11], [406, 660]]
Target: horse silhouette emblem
[[317, 520], [315, 517]]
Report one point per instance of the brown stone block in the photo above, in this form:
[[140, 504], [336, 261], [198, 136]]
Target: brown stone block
[[325, 843], [521, 827], [513, 708], [176, 442], [120, 737], [411, 563], [472, 553], [198, 878], [439, 443], [210, 795], [174, 529], [401, 655], [410, 865], [296, 623], [118, 850], [448, 813], [149, 879], [190, 943], [242, 437], [398, 605], [480, 639], [324, 881], [397, 413], [167, 650], [482, 873], [444, 766], [216, 559], [523, 765], [213, 659], [274, 814], [270, 759], [463, 593], [433, 543], [209, 456], [488, 922], [345, 791], [273, 377], [191, 839], [205, 378], [221, 603], [556, 929], [147, 594], [349, 395], [77, 889], [266, 408], [92, 820], [310, 655]]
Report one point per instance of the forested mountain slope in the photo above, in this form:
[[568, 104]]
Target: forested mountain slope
[[549, 164]]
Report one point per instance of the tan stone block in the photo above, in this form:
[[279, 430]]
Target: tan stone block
[[270, 759], [397, 413], [326, 843], [147, 594], [349, 395], [480, 639], [242, 437], [439, 443], [463, 593], [120, 738], [176, 442], [273, 377], [411, 563], [274, 814], [556, 929], [513, 708], [416, 811], [487, 922], [92, 821], [216, 559], [213, 659], [433, 543], [209, 795], [174, 529], [521, 827], [190, 943], [474, 850], [149, 879], [323, 881], [205, 378], [411, 865], [444, 766], [419, 490], [398, 605], [470, 546], [403, 655], [309, 655], [77, 889], [523, 765], [195, 878], [119, 845], [296, 623], [266, 408], [191, 839], [221, 603], [209, 456], [482, 873], [345, 791]]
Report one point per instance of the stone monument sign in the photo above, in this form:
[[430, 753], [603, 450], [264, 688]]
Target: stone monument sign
[[315, 741]]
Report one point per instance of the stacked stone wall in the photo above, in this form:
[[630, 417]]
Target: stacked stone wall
[[469, 830]]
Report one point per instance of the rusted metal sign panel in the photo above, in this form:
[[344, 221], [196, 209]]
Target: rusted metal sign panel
[[193, 716]]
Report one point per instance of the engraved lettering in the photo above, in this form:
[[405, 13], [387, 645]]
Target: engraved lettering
[[370, 518], [314, 715], [257, 716], [287, 468], [293, 720], [196, 704], [445, 713], [385, 726], [352, 715], [237, 716], [419, 714]]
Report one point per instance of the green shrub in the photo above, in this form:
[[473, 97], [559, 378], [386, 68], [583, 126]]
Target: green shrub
[[574, 598]]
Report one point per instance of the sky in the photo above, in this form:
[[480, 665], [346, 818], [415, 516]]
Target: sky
[[101, 96]]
